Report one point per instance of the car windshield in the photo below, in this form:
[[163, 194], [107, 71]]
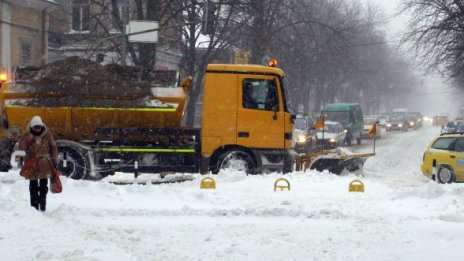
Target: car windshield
[[300, 124], [398, 114], [369, 120], [395, 118], [340, 116]]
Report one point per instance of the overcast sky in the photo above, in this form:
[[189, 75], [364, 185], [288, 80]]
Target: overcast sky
[[435, 95]]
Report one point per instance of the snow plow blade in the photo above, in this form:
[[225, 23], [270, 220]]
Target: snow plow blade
[[335, 162]]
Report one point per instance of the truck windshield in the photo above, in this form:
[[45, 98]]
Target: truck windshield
[[398, 114], [340, 116]]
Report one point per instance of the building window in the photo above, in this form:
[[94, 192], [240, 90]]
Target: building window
[[122, 13], [26, 53], [81, 15]]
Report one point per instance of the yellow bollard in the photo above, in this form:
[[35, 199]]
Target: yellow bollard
[[207, 183], [282, 187], [356, 186]]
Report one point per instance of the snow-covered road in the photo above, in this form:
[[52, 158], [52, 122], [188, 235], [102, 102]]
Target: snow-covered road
[[401, 216]]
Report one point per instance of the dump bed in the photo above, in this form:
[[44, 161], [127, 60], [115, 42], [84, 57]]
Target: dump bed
[[75, 97]]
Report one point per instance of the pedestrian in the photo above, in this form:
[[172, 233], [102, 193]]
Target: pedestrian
[[40, 148]]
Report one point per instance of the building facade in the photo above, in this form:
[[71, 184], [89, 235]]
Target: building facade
[[24, 32], [83, 28]]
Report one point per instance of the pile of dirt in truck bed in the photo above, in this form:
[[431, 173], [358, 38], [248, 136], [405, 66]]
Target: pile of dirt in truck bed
[[102, 85], [71, 101]]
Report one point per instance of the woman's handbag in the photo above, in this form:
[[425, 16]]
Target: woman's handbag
[[29, 167], [56, 186]]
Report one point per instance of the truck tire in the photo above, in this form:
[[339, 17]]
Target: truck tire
[[77, 165], [235, 159]]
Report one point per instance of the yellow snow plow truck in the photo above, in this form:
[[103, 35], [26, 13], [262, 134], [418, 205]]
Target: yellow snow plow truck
[[108, 118]]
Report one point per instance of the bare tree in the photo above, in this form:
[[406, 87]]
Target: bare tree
[[436, 30]]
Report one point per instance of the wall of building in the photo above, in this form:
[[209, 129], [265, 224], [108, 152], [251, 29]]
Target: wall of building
[[20, 25]]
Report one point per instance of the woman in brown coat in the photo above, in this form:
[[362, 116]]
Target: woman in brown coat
[[38, 142]]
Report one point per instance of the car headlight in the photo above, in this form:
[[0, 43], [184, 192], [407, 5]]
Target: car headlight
[[332, 140], [345, 131], [301, 139], [400, 125], [411, 123], [389, 125]]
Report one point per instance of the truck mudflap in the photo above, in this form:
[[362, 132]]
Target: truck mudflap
[[335, 161], [6, 150]]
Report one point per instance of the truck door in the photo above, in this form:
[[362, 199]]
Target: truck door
[[260, 121]]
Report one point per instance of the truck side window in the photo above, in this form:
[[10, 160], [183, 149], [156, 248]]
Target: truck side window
[[260, 94]]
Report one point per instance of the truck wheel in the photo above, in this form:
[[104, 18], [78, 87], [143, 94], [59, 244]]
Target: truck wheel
[[445, 175], [76, 166], [236, 160]]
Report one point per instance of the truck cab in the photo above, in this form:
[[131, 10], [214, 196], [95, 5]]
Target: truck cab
[[245, 119]]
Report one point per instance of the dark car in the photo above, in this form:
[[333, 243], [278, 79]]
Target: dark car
[[397, 123], [419, 116], [304, 137], [413, 122]]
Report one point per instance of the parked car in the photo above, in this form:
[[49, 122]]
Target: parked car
[[350, 116], [443, 159], [397, 123], [369, 121], [440, 120], [333, 136], [413, 122]]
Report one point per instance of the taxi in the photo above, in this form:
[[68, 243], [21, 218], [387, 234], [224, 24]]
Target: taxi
[[443, 159]]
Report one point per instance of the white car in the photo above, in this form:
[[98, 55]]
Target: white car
[[369, 121], [383, 120], [333, 136]]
